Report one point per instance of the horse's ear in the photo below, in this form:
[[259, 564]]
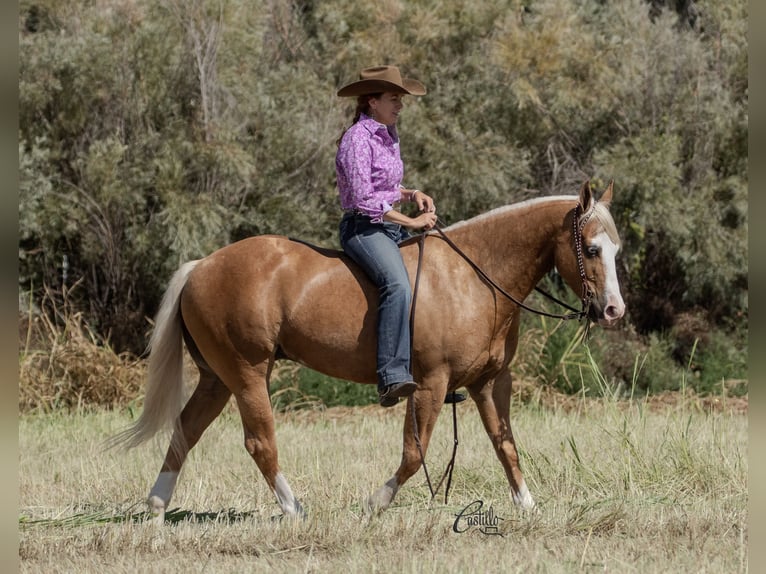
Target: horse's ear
[[606, 197], [586, 196]]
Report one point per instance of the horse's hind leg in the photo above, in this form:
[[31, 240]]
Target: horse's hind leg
[[493, 400], [260, 436], [205, 404]]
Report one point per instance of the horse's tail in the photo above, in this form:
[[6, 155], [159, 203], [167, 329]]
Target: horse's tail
[[164, 389]]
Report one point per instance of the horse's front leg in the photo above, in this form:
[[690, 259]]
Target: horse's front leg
[[493, 400], [425, 404]]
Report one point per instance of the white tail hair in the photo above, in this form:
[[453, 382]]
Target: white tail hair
[[164, 396]]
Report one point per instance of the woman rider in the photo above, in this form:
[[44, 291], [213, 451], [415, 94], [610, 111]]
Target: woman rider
[[369, 173]]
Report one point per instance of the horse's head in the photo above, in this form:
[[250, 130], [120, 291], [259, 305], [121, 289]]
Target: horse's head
[[586, 259]]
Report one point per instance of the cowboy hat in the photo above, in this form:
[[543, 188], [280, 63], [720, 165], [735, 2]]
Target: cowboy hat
[[382, 79]]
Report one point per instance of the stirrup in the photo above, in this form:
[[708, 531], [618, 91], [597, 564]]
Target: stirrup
[[390, 395], [454, 397]]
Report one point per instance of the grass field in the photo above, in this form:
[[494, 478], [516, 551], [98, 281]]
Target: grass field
[[620, 487]]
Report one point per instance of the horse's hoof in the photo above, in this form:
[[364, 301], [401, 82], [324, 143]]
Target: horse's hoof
[[292, 512], [381, 498], [289, 518], [156, 509], [300, 513], [372, 506], [523, 499]]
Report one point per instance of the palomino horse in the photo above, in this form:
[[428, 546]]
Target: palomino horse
[[264, 298]]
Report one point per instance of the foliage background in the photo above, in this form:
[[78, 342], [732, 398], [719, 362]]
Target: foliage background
[[151, 133]]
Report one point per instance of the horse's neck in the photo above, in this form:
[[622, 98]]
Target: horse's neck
[[514, 245]]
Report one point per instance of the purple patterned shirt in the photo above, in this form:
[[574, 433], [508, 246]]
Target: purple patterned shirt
[[369, 168]]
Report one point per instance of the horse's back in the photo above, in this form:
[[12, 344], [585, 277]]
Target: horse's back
[[268, 270]]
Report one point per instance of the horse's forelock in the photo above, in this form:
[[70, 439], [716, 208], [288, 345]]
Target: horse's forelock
[[604, 217]]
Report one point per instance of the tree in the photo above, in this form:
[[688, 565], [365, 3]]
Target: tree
[[151, 134]]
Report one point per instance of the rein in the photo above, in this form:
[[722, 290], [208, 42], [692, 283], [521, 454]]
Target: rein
[[586, 291], [451, 465], [578, 223]]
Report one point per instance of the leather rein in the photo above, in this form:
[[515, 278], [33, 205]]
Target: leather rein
[[578, 224], [585, 298]]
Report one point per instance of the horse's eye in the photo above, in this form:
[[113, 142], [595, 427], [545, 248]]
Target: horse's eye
[[592, 250]]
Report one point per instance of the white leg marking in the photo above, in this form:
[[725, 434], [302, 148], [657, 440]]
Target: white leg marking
[[523, 498], [287, 501], [161, 493], [382, 498]]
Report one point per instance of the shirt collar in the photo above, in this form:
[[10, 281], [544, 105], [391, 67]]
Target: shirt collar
[[374, 126]]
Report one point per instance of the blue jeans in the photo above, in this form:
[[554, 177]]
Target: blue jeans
[[375, 248]]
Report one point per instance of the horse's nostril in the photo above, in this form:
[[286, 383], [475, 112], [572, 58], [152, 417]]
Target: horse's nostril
[[613, 312]]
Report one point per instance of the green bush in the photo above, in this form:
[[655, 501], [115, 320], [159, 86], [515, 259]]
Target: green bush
[[295, 387], [719, 367]]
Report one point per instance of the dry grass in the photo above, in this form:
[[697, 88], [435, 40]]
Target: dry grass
[[64, 364], [620, 488], [657, 485]]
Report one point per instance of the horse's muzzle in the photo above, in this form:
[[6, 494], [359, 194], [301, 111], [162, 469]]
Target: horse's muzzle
[[606, 315]]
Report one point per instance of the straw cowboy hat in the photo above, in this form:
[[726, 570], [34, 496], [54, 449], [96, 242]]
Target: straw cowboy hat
[[382, 79]]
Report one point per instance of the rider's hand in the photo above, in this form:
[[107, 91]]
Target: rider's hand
[[425, 220], [425, 202]]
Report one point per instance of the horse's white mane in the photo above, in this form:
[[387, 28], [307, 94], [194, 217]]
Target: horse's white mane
[[601, 213], [512, 207]]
